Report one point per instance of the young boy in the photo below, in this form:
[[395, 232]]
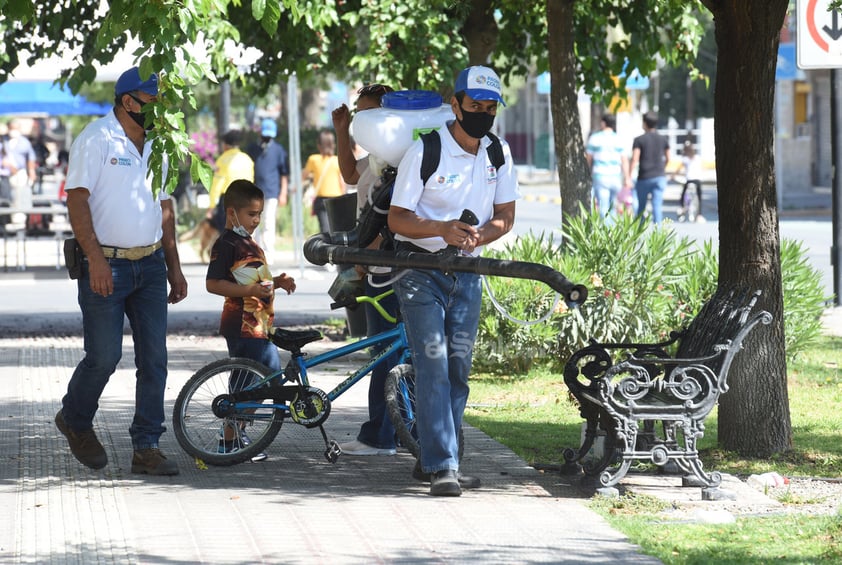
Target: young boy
[[238, 271]]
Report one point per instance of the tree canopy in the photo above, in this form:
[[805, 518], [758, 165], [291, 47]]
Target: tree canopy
[[422, 44], [412, 44]]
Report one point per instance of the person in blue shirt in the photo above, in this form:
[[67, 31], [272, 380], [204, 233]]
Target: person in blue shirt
[[271, 174], [609, 166]]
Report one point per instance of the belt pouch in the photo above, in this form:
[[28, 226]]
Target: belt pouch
[[73, 258]]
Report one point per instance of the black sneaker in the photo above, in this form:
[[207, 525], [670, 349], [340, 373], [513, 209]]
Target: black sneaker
[[465, 481], [84, 446], [445, 483], [152, 462]]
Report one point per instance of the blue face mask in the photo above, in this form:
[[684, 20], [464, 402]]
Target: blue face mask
[[239, 229]]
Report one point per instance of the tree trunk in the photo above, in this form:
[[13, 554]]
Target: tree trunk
[[754, 418], [573, 175], [480, 31]]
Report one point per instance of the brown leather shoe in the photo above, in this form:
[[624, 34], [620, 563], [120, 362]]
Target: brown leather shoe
[[152, 462], [84, 446]]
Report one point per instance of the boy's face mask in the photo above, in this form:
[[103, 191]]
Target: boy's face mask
[[239, 229]]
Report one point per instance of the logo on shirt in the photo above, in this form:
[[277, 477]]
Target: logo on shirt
[[492, 174], [121, 161]]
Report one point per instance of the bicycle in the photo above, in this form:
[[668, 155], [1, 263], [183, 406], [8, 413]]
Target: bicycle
[[236, 393], [239, 393]]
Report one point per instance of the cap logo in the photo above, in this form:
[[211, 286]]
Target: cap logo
[[492, 82]]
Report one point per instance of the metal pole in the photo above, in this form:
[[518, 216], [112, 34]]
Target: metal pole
[[836, 151], [295, 191], [224, 108]]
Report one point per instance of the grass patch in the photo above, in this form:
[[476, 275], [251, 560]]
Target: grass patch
[[780, 539], [535, 416]]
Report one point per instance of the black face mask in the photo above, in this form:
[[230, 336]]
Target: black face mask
[[476, 124], [138, 117]]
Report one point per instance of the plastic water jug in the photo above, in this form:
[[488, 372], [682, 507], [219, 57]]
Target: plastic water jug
[[387, 132]]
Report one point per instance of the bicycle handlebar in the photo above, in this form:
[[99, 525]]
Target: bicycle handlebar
[[322, 248]]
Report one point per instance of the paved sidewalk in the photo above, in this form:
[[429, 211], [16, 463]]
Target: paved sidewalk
[[294, 508]]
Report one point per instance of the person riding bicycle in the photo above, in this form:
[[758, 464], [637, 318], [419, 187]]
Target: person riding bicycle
[[441, 310], [239, 272]]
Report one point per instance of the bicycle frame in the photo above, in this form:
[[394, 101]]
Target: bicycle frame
[[395, 341], [396, 338]]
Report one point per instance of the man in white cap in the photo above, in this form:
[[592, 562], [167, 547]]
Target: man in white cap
[[441, 310], [271, 174], [127, 235]]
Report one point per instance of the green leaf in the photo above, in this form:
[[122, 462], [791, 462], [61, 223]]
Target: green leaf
[[200, 171]]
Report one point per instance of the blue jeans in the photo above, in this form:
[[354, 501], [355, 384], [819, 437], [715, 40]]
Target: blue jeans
[[254, 348], [606, 195], [654, 186], [378, 430], [441, 313], [140, 294]]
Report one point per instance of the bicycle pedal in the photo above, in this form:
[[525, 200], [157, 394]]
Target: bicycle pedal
[[333, 451]]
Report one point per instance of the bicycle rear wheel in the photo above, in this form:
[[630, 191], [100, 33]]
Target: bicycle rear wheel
[[400, 400], [238, 435]]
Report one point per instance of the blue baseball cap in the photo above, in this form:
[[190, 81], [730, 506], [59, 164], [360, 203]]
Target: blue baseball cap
[[480, 83], [130, 81], [268, 128]]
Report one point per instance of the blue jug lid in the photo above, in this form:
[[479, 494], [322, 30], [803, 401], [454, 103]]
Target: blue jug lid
[[411, 100]]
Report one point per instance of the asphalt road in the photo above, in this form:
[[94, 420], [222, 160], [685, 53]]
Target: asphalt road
[[42, 300]]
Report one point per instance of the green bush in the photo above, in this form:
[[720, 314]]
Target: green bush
[[643, 282]]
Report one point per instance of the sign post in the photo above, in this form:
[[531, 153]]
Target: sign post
[[820, 47]]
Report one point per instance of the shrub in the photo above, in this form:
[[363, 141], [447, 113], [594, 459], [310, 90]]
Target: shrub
[[643, 282]]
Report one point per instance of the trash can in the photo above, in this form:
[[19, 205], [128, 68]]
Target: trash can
[[342, 216]]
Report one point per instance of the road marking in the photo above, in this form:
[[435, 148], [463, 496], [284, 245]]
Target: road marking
[[542, 198]]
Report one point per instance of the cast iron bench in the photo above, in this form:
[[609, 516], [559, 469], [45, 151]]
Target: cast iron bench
[[625, 389]]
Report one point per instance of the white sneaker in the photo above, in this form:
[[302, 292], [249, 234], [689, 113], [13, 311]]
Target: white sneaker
[[359, 448]]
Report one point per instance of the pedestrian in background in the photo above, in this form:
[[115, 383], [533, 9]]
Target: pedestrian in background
[[127, 234], [691, 168], [650, 154], [322, 169], [271, 174], [232, 164], [609, 166]]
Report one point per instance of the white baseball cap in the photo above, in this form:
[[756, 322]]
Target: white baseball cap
[[480, 83]]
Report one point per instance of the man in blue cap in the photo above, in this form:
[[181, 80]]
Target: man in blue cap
[[271, 174], [441, 310], [127, 236]]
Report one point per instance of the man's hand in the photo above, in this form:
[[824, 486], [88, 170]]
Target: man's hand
[[178, 286], [99, 274], [341, 118]]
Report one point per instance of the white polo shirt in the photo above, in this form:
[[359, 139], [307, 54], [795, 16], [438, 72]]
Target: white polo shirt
[[462, 180], [106, 162]]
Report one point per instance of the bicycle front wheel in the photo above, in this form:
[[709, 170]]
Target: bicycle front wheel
[[400, 400], [236, 434]]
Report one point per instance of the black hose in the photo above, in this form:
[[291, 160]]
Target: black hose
[[331, 248]]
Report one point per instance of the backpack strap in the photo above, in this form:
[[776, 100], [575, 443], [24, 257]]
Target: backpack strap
[[495, 151], [432, 155]]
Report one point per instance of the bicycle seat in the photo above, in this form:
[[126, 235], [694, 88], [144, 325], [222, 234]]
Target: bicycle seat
[[293, 340]]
